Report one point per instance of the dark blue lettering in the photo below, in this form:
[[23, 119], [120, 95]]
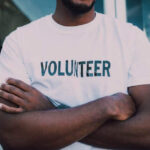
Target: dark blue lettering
[[67, 68], [106, 68], [76, 69], [43, 68], [60, 73], [82, 63], [89, 68], [50, 71], [97, 67]]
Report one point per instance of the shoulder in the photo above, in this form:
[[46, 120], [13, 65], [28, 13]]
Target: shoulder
[[24, 35], [34, 27], [127, 33], [29, 29], [117, 25]]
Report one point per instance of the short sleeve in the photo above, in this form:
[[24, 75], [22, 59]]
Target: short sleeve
[[139, 71], [11, 60]]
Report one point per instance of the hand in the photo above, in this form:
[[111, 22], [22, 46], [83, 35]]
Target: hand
[[24, 96], [122, 106]]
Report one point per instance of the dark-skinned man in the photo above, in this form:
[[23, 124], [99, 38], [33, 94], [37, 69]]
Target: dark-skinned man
[[82, 59]]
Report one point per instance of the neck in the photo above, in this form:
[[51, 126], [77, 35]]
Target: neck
[[64, 16]]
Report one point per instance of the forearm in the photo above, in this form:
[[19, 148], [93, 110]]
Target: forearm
[[133, 133], [52, 129]]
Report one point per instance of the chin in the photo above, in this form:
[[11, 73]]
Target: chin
[[79, 7], [83, 2]]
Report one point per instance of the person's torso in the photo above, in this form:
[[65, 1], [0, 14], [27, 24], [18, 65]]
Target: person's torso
[[77, 66]]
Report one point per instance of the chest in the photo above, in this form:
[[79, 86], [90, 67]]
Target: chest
[[78, 70]]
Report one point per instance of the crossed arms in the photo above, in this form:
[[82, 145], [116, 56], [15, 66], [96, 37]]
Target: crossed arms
[[55, 129]]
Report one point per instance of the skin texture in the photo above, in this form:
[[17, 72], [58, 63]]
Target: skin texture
[[54, 129], [78, 7], [27, 98], [24, 96], [64, 16], [132, 133], [48, 128]]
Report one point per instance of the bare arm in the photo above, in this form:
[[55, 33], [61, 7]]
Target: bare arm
[[53, 129], [50, 127], [131, 134]]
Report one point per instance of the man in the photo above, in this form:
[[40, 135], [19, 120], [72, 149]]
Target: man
[[80, 58]]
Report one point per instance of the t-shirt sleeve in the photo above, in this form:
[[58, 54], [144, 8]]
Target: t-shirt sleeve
[[139, 71], [11, 60]]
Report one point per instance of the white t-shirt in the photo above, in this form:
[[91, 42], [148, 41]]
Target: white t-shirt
[[75, 65]]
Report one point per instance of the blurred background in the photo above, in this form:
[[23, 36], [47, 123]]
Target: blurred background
[[14, 13]]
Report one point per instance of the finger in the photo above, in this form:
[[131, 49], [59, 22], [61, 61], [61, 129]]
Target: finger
[[9, 109], [13, 90], [12, 98], [20, 84]]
